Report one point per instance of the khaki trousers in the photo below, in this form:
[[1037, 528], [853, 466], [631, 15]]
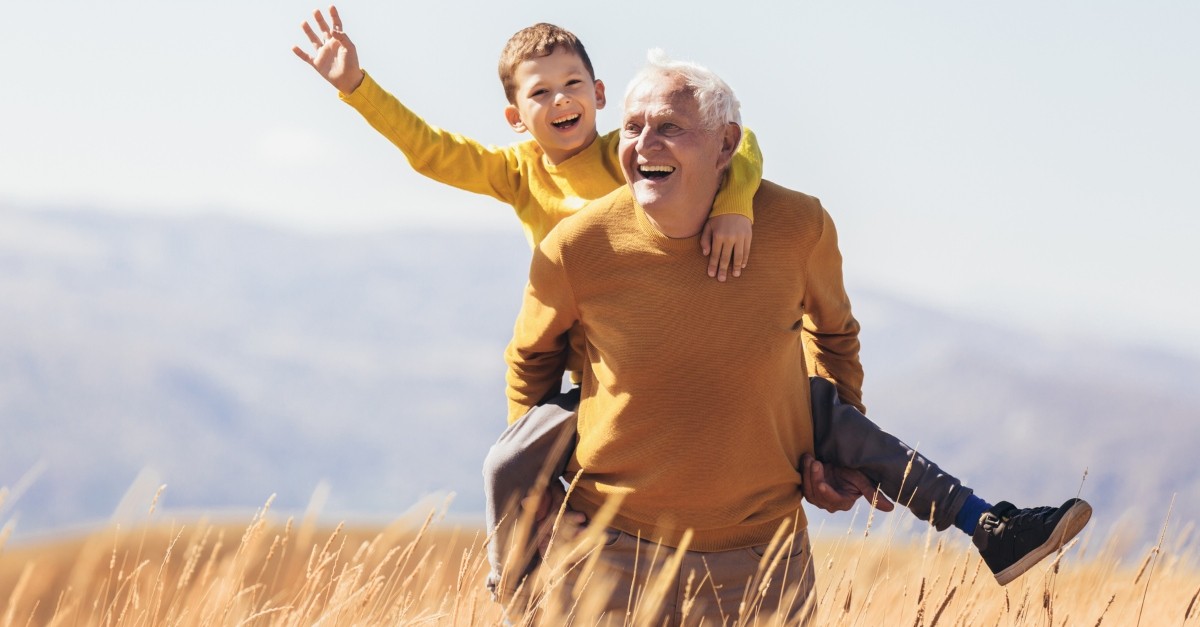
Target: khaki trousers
[[636, 582]]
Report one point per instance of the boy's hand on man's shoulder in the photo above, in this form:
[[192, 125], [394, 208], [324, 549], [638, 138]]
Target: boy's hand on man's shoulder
[[335, 59], [725, 240]]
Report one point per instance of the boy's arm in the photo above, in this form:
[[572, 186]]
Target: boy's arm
[[726, 237], [445, 157], [537, 354], [736, 195], [831, 332]]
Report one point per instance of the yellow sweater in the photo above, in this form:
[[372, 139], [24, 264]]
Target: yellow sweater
[[541, 193], [695, 404]]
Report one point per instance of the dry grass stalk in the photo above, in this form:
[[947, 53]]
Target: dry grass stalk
[[416, 572]]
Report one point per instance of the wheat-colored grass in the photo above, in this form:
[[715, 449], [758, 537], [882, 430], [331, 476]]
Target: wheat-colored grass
[[426, 572]]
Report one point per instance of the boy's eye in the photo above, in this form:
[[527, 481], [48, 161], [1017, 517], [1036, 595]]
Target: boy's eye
[[573, 82], [538, 92]]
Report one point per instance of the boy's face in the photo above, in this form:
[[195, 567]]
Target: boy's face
[[556, 101]]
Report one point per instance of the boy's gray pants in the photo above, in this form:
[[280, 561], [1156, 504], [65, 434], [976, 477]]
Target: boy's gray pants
[[543, 440]]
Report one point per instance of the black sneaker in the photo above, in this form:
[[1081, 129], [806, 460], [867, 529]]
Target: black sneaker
[[1012, 540]]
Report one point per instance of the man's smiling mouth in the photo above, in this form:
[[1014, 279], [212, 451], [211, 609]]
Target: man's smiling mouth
[[566, 121], [655, 171]]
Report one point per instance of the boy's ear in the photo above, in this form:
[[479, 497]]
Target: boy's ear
[[600, 101], [513, 115]]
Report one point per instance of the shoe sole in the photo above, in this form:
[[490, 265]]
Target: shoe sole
[[1068, 527]]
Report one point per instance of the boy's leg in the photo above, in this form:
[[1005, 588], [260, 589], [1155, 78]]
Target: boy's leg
[[843, 435], [1011, 540], [532, 448]]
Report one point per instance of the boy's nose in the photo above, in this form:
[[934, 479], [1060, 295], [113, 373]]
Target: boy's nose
[[561, 98]]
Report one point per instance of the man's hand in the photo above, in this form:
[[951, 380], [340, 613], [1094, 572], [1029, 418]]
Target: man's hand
[[725, 240], [336, 59], [835, 488], [547, 511]]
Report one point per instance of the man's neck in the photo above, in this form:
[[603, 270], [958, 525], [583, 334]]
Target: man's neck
[[679, 224]]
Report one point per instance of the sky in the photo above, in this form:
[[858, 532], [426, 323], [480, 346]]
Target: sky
[[1024, 162]]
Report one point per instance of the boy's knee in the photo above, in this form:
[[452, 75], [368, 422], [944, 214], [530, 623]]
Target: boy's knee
[[500, 463]]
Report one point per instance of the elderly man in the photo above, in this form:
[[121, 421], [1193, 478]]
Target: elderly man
[[703, 456]]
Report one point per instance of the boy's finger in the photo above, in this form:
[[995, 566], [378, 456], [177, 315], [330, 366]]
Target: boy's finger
[[706, 241], [713, 260], [337, 19], [726, 256], [302, 54], [312, 36], [321, 23], [745, 249]]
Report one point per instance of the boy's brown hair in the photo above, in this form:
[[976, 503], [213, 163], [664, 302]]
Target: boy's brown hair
[[533, 42]]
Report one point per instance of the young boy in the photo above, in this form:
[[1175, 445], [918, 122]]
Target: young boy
[[553, 94]]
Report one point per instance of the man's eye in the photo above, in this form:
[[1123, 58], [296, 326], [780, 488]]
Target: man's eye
[[670, 129], [632, 130]]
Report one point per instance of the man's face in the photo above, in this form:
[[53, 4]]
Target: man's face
[[673, 163], [556, 101]]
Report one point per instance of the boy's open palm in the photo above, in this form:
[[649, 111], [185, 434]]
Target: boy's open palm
[[335, 58]]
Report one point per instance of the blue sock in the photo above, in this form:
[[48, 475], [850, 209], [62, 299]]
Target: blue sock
[[969, 515]]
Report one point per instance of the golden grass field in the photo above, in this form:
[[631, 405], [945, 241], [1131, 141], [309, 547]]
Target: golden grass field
[[421, 571]]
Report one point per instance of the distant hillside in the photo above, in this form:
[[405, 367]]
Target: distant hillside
[[240, 361]]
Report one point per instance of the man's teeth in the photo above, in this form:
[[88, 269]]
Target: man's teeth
[[656, 169], [565, 119]]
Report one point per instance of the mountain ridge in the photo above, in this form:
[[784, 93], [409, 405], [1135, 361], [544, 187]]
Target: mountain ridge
[[241, 360]]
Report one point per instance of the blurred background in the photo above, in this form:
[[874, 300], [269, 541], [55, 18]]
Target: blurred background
[[215, 275]]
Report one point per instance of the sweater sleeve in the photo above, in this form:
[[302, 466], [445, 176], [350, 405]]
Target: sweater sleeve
[[831, 332], [445, 157], [736, 195], [537, 354]]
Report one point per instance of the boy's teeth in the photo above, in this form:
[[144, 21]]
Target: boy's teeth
[[566, 118]]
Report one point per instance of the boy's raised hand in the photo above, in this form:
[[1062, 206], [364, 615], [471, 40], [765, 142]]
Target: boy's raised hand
[[335, 59], [725, 240]]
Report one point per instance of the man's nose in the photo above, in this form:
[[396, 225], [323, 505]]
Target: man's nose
[[648, 140]]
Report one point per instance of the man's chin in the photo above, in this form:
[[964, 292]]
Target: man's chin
[[646, 201], [647, 193]]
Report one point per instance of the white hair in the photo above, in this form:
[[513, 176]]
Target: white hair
[[714, 97]]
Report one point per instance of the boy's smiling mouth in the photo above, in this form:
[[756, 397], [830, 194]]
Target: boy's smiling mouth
[[566, 121], [655, 171]]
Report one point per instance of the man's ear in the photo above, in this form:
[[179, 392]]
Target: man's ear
[[731, 136], [514, 118], [600, 101]]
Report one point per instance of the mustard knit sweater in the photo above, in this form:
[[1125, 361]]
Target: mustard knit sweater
[[695, 404]]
